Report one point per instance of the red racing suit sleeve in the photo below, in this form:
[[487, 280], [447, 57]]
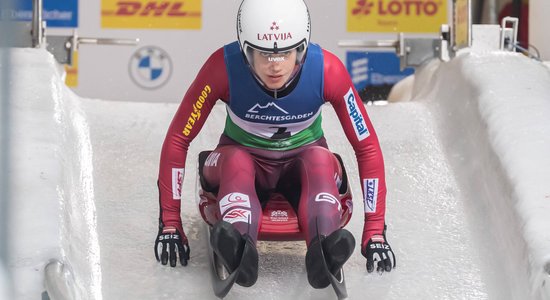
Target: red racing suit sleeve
[[340, 92], [210, 84]]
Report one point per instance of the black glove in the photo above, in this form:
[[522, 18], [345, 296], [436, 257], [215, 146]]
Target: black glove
[[172, 242], [378, 252]]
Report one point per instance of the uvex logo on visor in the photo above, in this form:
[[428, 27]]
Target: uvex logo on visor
[[274, 36]]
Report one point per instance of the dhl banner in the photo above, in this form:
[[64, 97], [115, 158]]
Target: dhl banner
[[415, 16], [151, 14]]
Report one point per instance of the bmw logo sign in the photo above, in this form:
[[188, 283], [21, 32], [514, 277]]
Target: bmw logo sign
[[150, 67]]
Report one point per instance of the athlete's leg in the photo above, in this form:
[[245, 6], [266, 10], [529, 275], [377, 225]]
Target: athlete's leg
[[319, 209], [320, 214], [231, 169]]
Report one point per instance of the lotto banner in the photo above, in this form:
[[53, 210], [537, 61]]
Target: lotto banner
[[414, 16], [151, 14]]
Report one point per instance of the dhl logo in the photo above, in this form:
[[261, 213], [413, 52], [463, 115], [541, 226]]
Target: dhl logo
[[156, 14], [151, 8]]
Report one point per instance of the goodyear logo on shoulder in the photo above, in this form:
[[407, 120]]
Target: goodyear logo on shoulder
[[151, 14]]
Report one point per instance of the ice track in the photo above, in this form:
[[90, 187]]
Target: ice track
[[452, 241]]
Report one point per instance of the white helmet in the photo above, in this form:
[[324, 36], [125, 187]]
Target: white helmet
[[273, 26]]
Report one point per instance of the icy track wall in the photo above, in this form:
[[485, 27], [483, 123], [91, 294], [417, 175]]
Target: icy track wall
[[52, 185], [493, 112]]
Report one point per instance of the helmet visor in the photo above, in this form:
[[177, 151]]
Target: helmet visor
[[275, 71]]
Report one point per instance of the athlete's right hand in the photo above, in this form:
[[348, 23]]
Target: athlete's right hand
[[171, 243], [379, 254]]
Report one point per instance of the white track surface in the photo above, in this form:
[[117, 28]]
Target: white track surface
[[467, 171]]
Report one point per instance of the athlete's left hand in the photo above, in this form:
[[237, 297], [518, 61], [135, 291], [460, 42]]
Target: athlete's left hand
[[378, 253]]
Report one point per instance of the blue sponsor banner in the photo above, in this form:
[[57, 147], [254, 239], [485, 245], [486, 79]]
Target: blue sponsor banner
[[374, 69], [56, 13]]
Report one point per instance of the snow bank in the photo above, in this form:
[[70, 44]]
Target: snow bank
[[36, 170], [53, 213], [493, 110]]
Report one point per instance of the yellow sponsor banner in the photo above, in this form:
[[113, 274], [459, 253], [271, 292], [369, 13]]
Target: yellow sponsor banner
[[151, 14], [462, 23], [422, 16], [71, 79]]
